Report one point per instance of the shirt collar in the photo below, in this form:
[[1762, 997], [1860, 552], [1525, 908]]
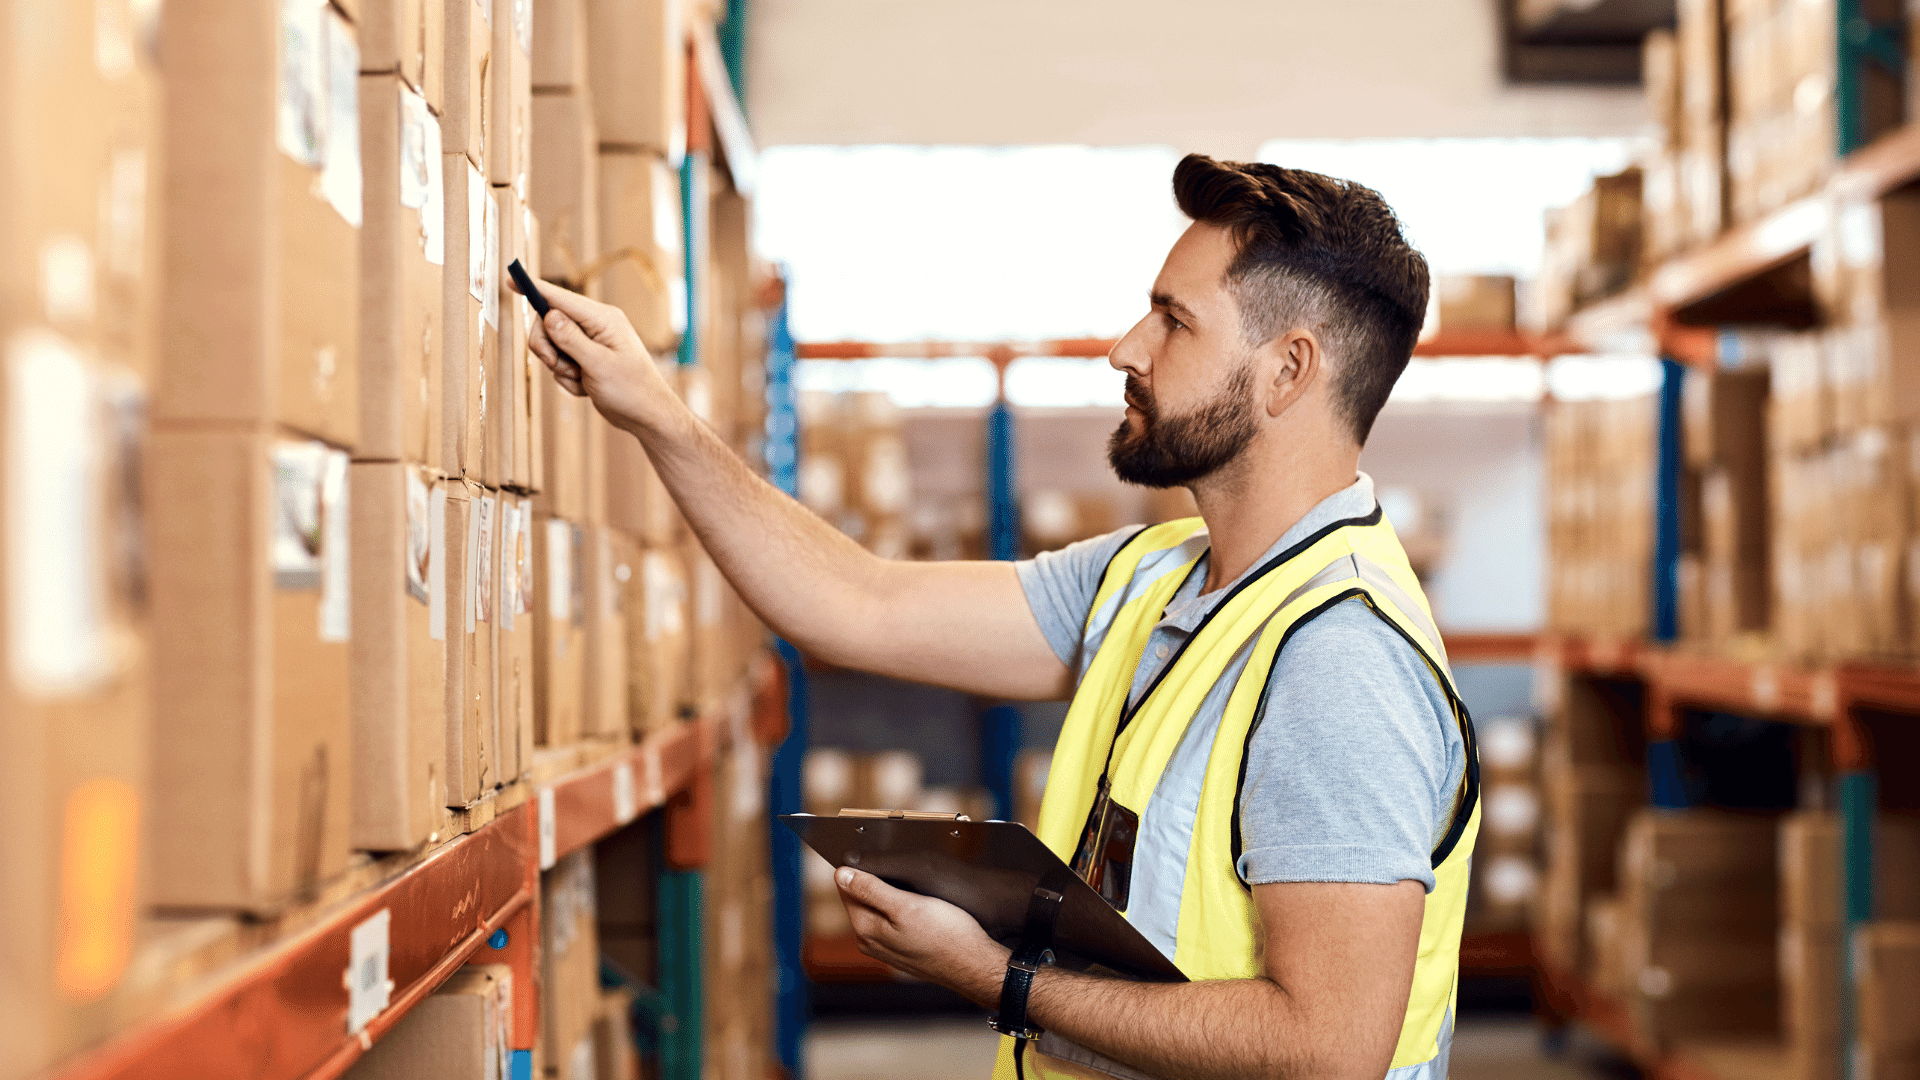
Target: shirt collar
[[1189, 605]]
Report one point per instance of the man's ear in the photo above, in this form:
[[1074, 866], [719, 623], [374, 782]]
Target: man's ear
[[1295, 359]]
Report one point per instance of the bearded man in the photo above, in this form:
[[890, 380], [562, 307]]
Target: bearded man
[[1265, 766]]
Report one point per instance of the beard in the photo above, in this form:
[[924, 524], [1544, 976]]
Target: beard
[[1176, 451]]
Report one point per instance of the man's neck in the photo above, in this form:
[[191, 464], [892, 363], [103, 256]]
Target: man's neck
[[1250, 505]]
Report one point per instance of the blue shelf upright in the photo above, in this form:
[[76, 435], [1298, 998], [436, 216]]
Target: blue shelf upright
[[1000, 725]]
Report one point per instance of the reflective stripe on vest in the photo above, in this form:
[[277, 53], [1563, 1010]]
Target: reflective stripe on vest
[[1183, 776]]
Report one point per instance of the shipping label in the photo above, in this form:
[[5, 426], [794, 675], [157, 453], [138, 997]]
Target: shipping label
[[478, 200], [420, 173], [510, 541], [299, 532], [302, 121], [340, 178], [559, 570], [526, 556], [483, 513], [490, 304], [437, 564], [419, 539]]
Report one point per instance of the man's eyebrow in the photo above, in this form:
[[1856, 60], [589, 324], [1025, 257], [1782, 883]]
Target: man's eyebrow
[[1166, 300]]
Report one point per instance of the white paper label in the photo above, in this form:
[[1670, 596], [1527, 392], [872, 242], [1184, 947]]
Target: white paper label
[[298, 528], [478, 199], [419, 539], [420, 173], [625, 804], [302, 119], [559, 570], [510, 541], [490, 303], [473, 558], [526, 556], [523, 24], [369, 987], [483, 595], [546, 829], [336, 569], [666, 597], [57, 612], [437, 565], [655, 789], [123, 214], [677, 302], [66, 278], [666, 215], [340, 176]]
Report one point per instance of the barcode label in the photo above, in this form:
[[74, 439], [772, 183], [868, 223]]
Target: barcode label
[[369, 990]]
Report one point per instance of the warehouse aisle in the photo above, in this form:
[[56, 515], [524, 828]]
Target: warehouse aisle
[[962, 1049]]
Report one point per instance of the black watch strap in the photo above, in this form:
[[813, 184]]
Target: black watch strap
[[1034, 950]]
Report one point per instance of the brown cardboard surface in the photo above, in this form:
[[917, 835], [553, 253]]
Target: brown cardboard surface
[[466, 113], [472, 770], [1678, 867], [613, 1046], [512, 97], [252, 719], [1887, 987], [658, 663], [596, 434], [560, 44], [399, 656], [517, 367], [570, 962], [640, 220], [604, 706], [455, 1033], [637, 502], [563, 491], [1810, 868], [261, 321], [470, 294], [564, 189], [406, 38], [401, 333], [637, 68], [1474, 302], [711, 653], [516, 600], [559, 656]]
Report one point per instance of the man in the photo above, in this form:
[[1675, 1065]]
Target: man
[[1265, 765]]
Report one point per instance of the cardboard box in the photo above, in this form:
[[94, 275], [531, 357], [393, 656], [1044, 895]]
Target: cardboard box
[[406, 38], [1810, 885], [637, 69], [1677, 867], [1886, 975], [1723, 416], [470, 313], [559, 628], [263, 197], [641, 230], [510, 123], [251, 594], [402, 257], [473, 721], [709, 665], [637, 502], [466, 115], [1810, 993], [607, 571], [564, 188], [76, 695], [615, 1053], [515, 653], [1474, 302], [560, 45], [461, 1031], [658, 663], [563, 492], [596, 434], [399, 655], [518, 368], [570, 964]]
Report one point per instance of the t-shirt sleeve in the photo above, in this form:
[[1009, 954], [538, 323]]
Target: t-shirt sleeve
[[1352, 772], [1060, 587]]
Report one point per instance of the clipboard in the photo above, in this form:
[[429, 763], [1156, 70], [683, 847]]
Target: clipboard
[[992, 871]]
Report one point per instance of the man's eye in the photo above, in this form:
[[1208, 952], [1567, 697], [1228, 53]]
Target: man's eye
[[1174, 323]]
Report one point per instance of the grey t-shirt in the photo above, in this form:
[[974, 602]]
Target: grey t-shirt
[[1353, 768]]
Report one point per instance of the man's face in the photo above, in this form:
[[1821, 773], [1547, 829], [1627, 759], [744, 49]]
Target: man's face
[[1190, 408]]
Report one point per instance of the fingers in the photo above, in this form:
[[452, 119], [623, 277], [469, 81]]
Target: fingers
[[569, 337], [868, 890], [590, 315]]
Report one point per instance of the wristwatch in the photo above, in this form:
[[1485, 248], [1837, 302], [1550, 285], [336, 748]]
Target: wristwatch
[[1025, 962]]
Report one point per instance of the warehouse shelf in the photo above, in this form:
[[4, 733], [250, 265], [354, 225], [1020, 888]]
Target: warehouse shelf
[[1753, 273], [293, 1009], [1443, 343]]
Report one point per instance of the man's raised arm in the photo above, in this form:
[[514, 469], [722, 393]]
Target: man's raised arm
[[964, 625]]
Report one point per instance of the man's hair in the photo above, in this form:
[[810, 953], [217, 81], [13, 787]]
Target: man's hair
[[1314, 251]]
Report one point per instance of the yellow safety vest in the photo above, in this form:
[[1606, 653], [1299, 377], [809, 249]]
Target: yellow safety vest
[[1215, 939]]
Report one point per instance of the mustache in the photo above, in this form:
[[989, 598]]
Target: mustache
[[1138, 396]]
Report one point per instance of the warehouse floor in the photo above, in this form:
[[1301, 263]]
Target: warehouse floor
[[962, 1049]]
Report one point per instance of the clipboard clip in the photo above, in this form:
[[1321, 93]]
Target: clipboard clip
[[903, 815]]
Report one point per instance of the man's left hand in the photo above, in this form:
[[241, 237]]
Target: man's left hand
[[923, 936]]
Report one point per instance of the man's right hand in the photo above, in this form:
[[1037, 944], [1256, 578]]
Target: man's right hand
[[610, 364]]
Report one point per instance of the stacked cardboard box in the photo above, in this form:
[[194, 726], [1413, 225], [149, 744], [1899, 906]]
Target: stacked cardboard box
[[1724, 439], [1505, 864], [570, 998], [257, 405], [1699, 924], [1811, 926], [853, 467], [1887, 1000], [1600, 461], [1593, 249], [740, 971], [1592, 784], [462, 1031], [80, 179]]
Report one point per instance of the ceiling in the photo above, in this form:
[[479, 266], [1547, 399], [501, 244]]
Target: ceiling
[[1218, 76]]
